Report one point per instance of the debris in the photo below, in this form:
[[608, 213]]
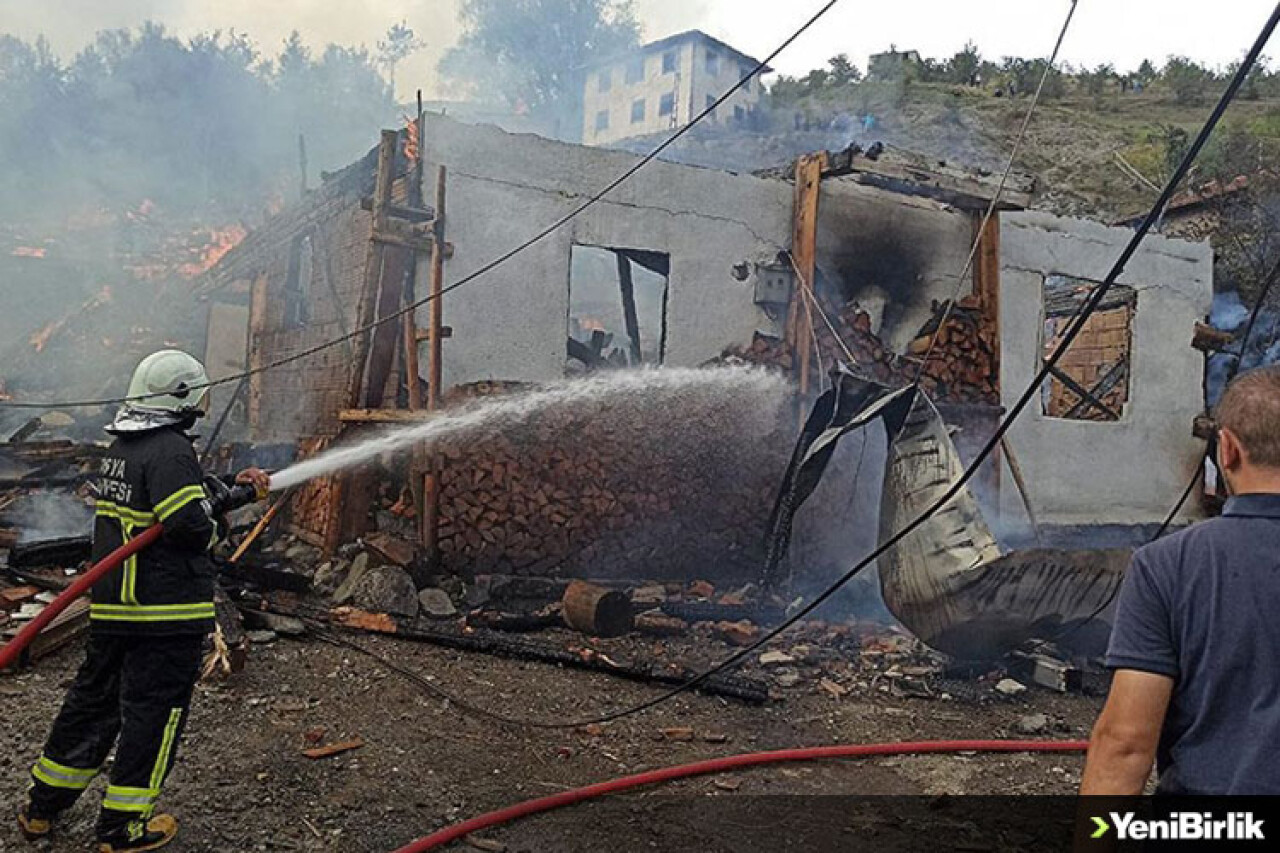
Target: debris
[[15, 597], [1050, 672], [492, 642], [285, 626], [436, 603], [715, 737], [346, 589], [391, 548], [486, 844], [701, 589], [738, 633], [290, 705], [679, 734], [660, 625], [787, 678], [1009, 687], [63, 551], [261, 638], [593, 730], [387, 589], [1032, 724], [834, 690], [776, 658], [597, 611], [333, 748], [330, 574], [652, 594], [727, 784], [314, 735]]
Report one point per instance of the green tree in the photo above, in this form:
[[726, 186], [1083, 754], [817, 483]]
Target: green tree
[[1187, 80], [963, 67], [842, 72], [400, 43], [532, 51]]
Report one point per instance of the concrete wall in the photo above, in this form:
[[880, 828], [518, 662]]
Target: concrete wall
[[502, 189], [1129, 471], [691, 83]]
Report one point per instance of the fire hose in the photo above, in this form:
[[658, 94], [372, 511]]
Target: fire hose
[[225, 500], [459, 831]]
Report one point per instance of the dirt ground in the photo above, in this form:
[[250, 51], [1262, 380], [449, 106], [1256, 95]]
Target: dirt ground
[[242, 784]]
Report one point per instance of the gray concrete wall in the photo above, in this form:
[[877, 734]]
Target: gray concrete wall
[[1129, 471], [502, 189], [895, 254]]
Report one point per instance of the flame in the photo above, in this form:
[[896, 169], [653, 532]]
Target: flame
[[28, 252], [41, 338], [221, 241]]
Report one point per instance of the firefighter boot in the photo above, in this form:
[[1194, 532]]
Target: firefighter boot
[[139, 835], [33, 828]]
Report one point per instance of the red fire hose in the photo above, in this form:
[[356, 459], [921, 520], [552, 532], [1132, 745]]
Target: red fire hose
[[719, 765], [9, 654]]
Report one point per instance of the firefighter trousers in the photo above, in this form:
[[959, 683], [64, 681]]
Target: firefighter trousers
[[134, 689]]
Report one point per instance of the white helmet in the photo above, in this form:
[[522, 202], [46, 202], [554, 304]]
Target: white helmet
[[168, 387]]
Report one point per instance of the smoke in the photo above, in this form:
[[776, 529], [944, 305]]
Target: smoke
[[1230, 314], [50, 515]]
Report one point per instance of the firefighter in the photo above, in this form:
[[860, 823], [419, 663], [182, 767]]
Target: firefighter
[[148, 620]]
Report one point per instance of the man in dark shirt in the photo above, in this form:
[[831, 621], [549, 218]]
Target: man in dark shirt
[[1197, 631]]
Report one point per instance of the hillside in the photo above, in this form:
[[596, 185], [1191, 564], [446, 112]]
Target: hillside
[[1075, 144]]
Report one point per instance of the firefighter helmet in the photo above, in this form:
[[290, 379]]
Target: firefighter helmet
[[168, 387]]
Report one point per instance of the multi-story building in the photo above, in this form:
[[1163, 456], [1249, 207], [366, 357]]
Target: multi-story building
[[663, 85]]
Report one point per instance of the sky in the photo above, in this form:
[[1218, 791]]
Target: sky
[[1121, 32]]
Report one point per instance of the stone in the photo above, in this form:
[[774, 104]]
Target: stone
[[285, 626], [300, 553], [330, 574], [1032, 724], [776, 658], [1009, 687], [787, 678], [652, 594], [741, 633], [359, 567], [261, 638], [391, 548], [386, 589], [436, 603], [701, 589]]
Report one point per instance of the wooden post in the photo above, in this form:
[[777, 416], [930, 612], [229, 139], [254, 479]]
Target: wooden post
[[629, 306], [986, 288], [373, 267], [257, 328], [804, 237], [435, 336]]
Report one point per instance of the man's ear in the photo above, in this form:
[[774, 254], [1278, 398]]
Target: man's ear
[[1230, 451]]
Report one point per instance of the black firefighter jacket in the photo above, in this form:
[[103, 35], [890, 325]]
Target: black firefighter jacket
[[148, 478]]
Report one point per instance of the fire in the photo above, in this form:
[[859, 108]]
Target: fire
[[221, 242], [41, 338]]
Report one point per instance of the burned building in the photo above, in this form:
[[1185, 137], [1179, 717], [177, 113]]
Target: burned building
[[678, 267]]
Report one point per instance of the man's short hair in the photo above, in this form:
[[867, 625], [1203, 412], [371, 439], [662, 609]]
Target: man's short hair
[[1250, 408]]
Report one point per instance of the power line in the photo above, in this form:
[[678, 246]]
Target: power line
[[1091, 305], [991, 206], [487, 268], [1073, 330]]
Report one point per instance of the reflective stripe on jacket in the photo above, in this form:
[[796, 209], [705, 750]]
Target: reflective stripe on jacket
[[148, 478]]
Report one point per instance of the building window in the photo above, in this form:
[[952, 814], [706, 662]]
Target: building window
[[667, 104], [635, 70], [1091, 380], [617, 308], [605, 81], [713, 63], [602, 121], [669, 62], [297, 285], [637, 110]]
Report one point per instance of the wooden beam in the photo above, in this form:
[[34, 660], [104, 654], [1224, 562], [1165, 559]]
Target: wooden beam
[[986, 284], [901, 173], [804, 238], [627, 287], [395, 211], [257, 330], [435, 368]]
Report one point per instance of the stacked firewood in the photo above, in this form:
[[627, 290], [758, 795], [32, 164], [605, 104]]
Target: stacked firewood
[[961, 368], [591, 491]]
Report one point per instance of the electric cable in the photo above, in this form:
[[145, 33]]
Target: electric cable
[[995, 198], [1095, 298], [591, 201]]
